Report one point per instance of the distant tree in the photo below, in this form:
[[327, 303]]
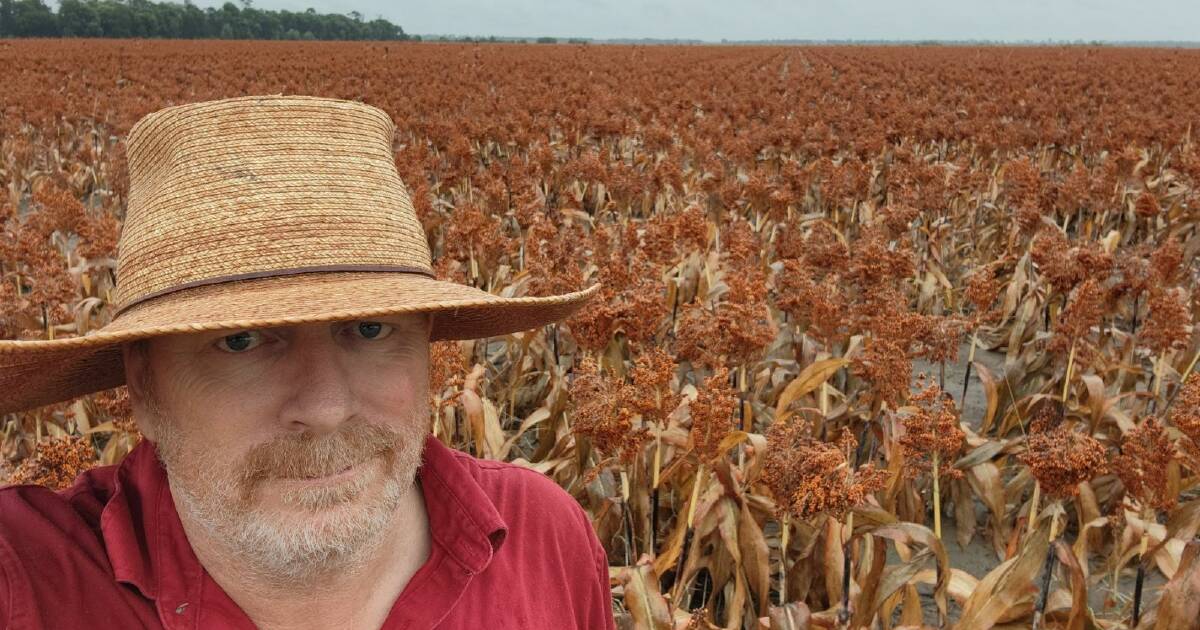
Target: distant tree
[[192, 22], [32, 18], [79, 19], [547, 40], [145, 18], [6, 17]]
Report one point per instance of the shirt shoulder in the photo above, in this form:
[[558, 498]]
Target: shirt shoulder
[[85, 497], [30, 512], [551, 548], [49, 539], [526, 498]]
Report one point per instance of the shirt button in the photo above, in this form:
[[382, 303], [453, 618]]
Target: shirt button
[[180, 608]]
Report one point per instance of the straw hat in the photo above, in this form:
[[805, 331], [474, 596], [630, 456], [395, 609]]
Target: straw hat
[[262, 211]]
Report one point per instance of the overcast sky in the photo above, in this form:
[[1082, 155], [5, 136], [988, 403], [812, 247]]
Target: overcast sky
[[1009, 20]]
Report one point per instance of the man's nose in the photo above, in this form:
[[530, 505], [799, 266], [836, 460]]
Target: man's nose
[[321, 395]]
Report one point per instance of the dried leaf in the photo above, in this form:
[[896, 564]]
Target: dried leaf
[[809, 380], [647, 606], [1008, 591]]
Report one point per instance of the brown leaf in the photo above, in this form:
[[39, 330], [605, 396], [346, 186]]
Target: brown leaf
[[1009, 589], [755, 557], [864, 613], [1179, 606], [647, 606], [1080, 615], [910, 533], [810, 378], [894, 578], [793, 616], [993, 396]]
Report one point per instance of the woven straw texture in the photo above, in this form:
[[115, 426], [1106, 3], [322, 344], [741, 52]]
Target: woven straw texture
[[263, 211]]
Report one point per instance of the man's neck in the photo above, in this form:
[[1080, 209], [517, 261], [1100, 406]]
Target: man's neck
[[359, 598]]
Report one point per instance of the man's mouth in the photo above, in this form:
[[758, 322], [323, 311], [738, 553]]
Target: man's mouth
[[324, 475]]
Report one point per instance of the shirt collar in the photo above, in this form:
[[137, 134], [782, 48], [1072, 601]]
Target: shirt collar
[[148, 549]]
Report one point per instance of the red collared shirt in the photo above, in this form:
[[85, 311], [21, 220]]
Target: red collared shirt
[[511, 549]]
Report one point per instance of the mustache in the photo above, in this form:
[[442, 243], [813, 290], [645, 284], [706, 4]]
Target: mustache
[[305, 455]]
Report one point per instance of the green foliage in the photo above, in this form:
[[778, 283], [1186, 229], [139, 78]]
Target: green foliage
[[146, 19]]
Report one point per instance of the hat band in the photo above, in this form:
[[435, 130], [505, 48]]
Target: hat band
[[274, 273]]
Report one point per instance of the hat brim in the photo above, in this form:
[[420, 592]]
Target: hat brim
[[37, 373]]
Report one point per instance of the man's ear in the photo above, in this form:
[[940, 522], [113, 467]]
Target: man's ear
[[133, 358], [136, 361]]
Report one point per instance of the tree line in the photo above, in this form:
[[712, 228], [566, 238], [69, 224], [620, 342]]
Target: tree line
[[145, 19]]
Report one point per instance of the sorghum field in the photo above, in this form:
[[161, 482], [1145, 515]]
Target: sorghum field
[[889, 337]]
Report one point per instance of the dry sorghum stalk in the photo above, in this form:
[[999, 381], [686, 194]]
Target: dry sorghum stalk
[[824, 249], [876, 264], [551, 256], [819, 308], [671, 235], [1146, 451], [1136, 274], [983, 287], [1147, 205], [114, 404], [56, 462], [939, 338], [447, 366], [733, 333], [896, 218], [1085, 309], [1166, 261], [932, 428], [651, 375], [632, 296], [885, 365], [1051, 253], [1059, 457], [712, 415], [810, 477], [1023, 185], [1168, 326], [789, 241], [1185, 415], [474, 233], [602, 414]]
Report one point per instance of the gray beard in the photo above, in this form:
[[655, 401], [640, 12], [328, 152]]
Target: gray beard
[[280, 553], [272, 549]]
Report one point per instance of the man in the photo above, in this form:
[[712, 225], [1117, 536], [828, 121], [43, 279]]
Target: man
[[274, 307]]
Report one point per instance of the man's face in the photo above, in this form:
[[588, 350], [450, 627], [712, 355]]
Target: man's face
[[292, 446]]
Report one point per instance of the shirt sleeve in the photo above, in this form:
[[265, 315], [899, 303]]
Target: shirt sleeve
[[6, 587], [5, 604], [599, 613]]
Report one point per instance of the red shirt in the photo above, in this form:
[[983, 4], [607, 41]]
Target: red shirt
[[511, 549]]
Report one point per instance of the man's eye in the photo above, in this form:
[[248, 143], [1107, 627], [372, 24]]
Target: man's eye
[[239, 342], [373, 330]]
